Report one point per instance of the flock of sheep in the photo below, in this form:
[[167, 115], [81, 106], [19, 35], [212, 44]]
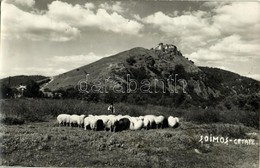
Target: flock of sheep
[[115, 123]]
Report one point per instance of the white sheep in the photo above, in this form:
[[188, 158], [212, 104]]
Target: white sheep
[[141, 117], [87, 122], [81, 120], [178, 120], [159, 121], [126, 116], [110, 125], [132, 120], [111, 115], [135, 123], [107, 122], [173, 122], [76, 119], [63, 119], [90, 122], [93, 122], [149, 120], [118, 117]]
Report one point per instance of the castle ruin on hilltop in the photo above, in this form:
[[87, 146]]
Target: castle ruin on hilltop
[[168, 48]]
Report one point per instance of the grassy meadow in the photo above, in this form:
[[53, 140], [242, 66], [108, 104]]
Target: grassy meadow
[[37, 110], [30, 136]]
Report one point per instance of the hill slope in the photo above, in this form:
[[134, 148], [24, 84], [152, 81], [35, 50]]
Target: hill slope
[[122, 62], [231, 83], [202, 83], [15, 81]]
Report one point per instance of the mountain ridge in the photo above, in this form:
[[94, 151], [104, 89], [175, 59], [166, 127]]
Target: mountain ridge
[[204, 84], [96, 68]]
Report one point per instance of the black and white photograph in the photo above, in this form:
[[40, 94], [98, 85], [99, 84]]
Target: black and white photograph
[[130, 83]]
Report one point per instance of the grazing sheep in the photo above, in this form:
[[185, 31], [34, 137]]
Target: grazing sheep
[[110, 125], [132, 120], [161, 121], [173, 122], [99, 125], [146, 123], [63, 119], [141, 117], [94, 122], [118, 117], [81, 120], [87, 122], [77, 120], [136, 123], [178, 120], [127, 116], [104, 119], [115, 123], [122, 124], [73, 120], [111, 115], [149, 122]]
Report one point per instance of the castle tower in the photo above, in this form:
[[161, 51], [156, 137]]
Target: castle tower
[[160, 46]]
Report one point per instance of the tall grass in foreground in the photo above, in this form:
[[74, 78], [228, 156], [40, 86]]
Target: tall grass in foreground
[[15, 111]]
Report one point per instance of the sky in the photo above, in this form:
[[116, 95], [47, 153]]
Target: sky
[[47, 37]]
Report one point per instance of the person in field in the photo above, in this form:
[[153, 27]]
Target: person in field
[[111, 108]]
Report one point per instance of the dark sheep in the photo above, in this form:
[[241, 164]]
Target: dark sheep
[[116, 126], [165, 123], [176, 125], [152, 125], [100, 125], [122, 124]]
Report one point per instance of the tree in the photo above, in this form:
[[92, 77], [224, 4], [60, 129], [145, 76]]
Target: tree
[[110, 97], [5, 92], [180, 70], [180, 98], [131, 60], [32, 89]]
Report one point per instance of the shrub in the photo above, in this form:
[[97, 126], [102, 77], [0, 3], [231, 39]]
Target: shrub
[[12, 121], [5, 91], [180, 70], [131, 60], [209, 115], [229, 130], [132, 110], [32, 89]]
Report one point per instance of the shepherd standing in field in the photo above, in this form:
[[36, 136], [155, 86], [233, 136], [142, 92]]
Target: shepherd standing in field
[[111, 108]]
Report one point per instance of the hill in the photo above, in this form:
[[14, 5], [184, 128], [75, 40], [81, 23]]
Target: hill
[[121, 63], [161, 76], [190, 84], [15, 81], [231, 83]]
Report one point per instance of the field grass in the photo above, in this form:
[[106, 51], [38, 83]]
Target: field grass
[[31, 137], [18, 111], [46, 144], [35, 110]]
